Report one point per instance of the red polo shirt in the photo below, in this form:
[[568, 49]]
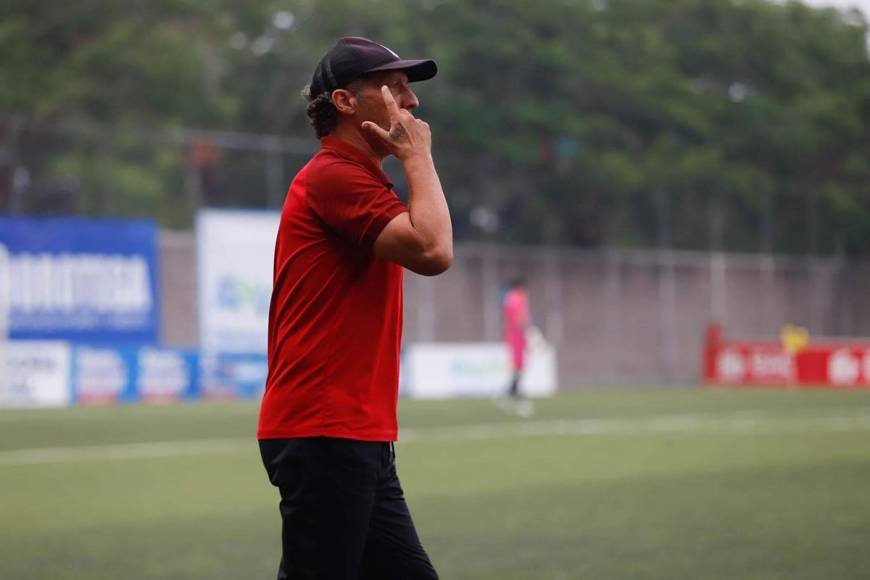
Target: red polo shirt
[[335, 320]]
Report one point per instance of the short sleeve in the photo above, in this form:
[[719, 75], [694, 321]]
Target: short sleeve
[[351, 201]]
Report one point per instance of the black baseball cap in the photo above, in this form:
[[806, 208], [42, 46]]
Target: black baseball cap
[[354, 56]]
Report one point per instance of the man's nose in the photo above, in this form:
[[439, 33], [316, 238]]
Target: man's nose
[[409, 100]]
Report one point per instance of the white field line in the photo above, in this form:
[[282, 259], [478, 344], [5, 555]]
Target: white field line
[[742, 423], [126, 451]]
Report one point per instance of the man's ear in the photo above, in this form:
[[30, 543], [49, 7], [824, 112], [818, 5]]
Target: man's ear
[[344, 101]]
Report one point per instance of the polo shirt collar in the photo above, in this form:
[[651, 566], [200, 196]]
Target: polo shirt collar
[[354, 153]]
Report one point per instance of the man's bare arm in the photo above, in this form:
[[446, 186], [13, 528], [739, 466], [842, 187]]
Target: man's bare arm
[[422, 239]]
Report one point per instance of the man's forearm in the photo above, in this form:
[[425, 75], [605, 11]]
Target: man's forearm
[[427, 205]]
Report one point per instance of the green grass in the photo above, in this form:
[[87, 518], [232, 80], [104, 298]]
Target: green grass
[[678, 483]]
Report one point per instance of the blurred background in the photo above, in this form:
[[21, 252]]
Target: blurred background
[[692, 125], [684, 184], [682, 161]]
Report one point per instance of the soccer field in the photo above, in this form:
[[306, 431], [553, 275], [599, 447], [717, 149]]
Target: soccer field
[[676, 483]]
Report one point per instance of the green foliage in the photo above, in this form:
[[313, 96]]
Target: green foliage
[[580, 122]]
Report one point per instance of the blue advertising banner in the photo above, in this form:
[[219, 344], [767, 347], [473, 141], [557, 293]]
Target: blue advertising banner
[[233, 376], [166, 374], [103, 375], [79, 279], [109, 375]]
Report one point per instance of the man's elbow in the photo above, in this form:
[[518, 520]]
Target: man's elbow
[[435, 262]]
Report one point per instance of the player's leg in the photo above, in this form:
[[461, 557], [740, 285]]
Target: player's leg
[[393, 550], [327, 489], [513, 389], [518, 355]]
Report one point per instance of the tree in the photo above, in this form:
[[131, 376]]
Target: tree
[[692, 123]]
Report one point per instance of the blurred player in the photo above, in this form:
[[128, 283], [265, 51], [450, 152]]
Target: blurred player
[[516, 323], [516, 326], [328, 416]]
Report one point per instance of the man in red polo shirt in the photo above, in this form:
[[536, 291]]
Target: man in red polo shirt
[[328, 416]]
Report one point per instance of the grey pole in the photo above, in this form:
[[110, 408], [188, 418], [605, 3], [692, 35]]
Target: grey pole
[[613, 311], [667, 288], [491, 312], [555, 302], [717, 265]]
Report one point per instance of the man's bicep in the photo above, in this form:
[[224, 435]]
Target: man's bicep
[[396, 242]]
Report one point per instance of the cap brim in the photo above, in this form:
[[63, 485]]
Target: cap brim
[[417, 70]]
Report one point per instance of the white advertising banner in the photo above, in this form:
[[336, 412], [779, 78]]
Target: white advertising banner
[[36, 374], [4, 313], [235, 250], [4, 293], [445, 370]]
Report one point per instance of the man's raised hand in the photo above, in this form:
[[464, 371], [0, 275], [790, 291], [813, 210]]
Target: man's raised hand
[[408, 136]]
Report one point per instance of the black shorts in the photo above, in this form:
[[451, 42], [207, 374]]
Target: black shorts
[[343, 512]]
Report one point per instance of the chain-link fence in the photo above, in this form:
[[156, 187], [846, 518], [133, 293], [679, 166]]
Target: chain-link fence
[[94, 170]]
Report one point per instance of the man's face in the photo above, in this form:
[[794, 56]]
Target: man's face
[[370, 101]]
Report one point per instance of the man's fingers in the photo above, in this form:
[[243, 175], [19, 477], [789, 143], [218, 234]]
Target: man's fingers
[[390, 102], [373, 128]]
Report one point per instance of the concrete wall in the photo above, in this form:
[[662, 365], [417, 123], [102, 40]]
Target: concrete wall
[[178, 317], [616, 317]]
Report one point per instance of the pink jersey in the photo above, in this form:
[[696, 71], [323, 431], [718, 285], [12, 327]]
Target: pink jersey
[[516, 320]]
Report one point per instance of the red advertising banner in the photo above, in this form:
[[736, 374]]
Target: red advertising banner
[[829, 364]]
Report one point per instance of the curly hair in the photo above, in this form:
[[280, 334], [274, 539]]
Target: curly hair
[[322, 114]]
